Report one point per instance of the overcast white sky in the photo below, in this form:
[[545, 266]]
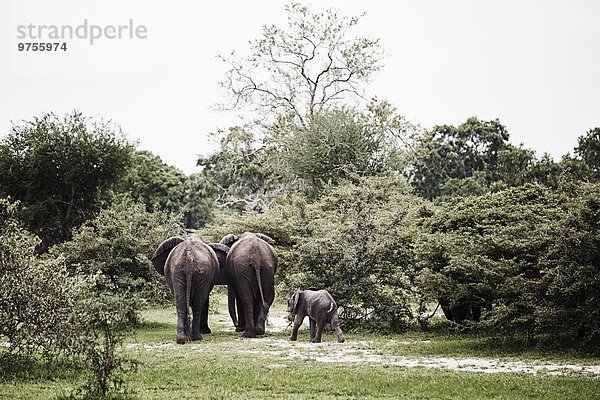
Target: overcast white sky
[[535, 65]]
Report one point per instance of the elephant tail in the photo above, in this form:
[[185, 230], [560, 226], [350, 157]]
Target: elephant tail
[[188, 292], [262, 296]]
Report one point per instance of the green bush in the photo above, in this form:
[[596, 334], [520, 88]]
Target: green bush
[[102, 323], [118, 243], [570, 276], [359, 246], [36, 296]]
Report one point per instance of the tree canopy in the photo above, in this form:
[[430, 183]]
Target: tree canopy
[[304, 67], [61, 169]]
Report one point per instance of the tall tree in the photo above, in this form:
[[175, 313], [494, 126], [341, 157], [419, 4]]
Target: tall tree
[[60, 168], [300, 69], [588, 149], [455, 153], [242, 174], [154, 183], [344, 145]]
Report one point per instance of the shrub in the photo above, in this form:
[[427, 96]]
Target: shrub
[[36, 295], [118, 244], [571, 271], [359, 246]]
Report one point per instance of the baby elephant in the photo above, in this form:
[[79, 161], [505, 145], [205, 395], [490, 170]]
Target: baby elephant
[[320, 308]]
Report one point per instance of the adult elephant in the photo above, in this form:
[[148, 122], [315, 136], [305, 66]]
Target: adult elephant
[[250, 268], [190, 267]]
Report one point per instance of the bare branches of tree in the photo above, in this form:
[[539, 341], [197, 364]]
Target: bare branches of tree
[[301, 69]]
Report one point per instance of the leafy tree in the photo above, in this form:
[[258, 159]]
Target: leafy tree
[[344, 145], [47, 311], [60, 169], [154, 183], [448, 152], [242, 174], [588, 149], [199, 206], [303, 68], [35, 295], [163, 187], [571, 270]]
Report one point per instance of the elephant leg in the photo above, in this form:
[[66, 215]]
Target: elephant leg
[[241, 324], [313, 328], [297, 323], [183, 320], [246, 297], [199, 306], [268, 286], [204, 328], [231, 305], [259, 317], [318, 332], [335, 324]]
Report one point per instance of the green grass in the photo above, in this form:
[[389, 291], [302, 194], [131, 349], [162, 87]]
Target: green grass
[[225, 366]]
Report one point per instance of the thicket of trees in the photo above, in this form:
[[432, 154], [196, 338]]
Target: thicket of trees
[[390, 218]]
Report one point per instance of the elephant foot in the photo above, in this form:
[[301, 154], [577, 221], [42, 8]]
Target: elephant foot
[[316, 340], [196, 337], [341, 339], [182, 339], [240, 328], [260, 330], [248, 334], [205, 329], [293, 338]]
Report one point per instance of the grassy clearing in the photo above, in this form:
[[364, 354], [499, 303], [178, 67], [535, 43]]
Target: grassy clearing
[[225, 366]]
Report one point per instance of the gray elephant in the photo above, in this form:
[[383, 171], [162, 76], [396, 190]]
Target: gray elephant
[[320, 308], [250, 268], [190, 267]]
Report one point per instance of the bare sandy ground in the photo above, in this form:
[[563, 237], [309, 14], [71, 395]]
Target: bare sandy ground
[[281, 350]]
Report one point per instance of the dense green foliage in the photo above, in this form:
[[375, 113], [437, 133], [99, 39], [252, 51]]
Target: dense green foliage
[[571, 274], [156, 184], [118, 244], [61, 170], [35, 295], [48, 311]]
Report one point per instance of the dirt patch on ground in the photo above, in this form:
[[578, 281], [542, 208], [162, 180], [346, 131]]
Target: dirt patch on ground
[[362, 352], [280, 350]]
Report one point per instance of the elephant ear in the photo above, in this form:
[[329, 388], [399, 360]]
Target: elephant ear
[[229, 240], [159, 258], [265, 238], [294, 302], [221, 251]]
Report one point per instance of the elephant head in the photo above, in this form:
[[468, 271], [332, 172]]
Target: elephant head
[[293, 302]]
